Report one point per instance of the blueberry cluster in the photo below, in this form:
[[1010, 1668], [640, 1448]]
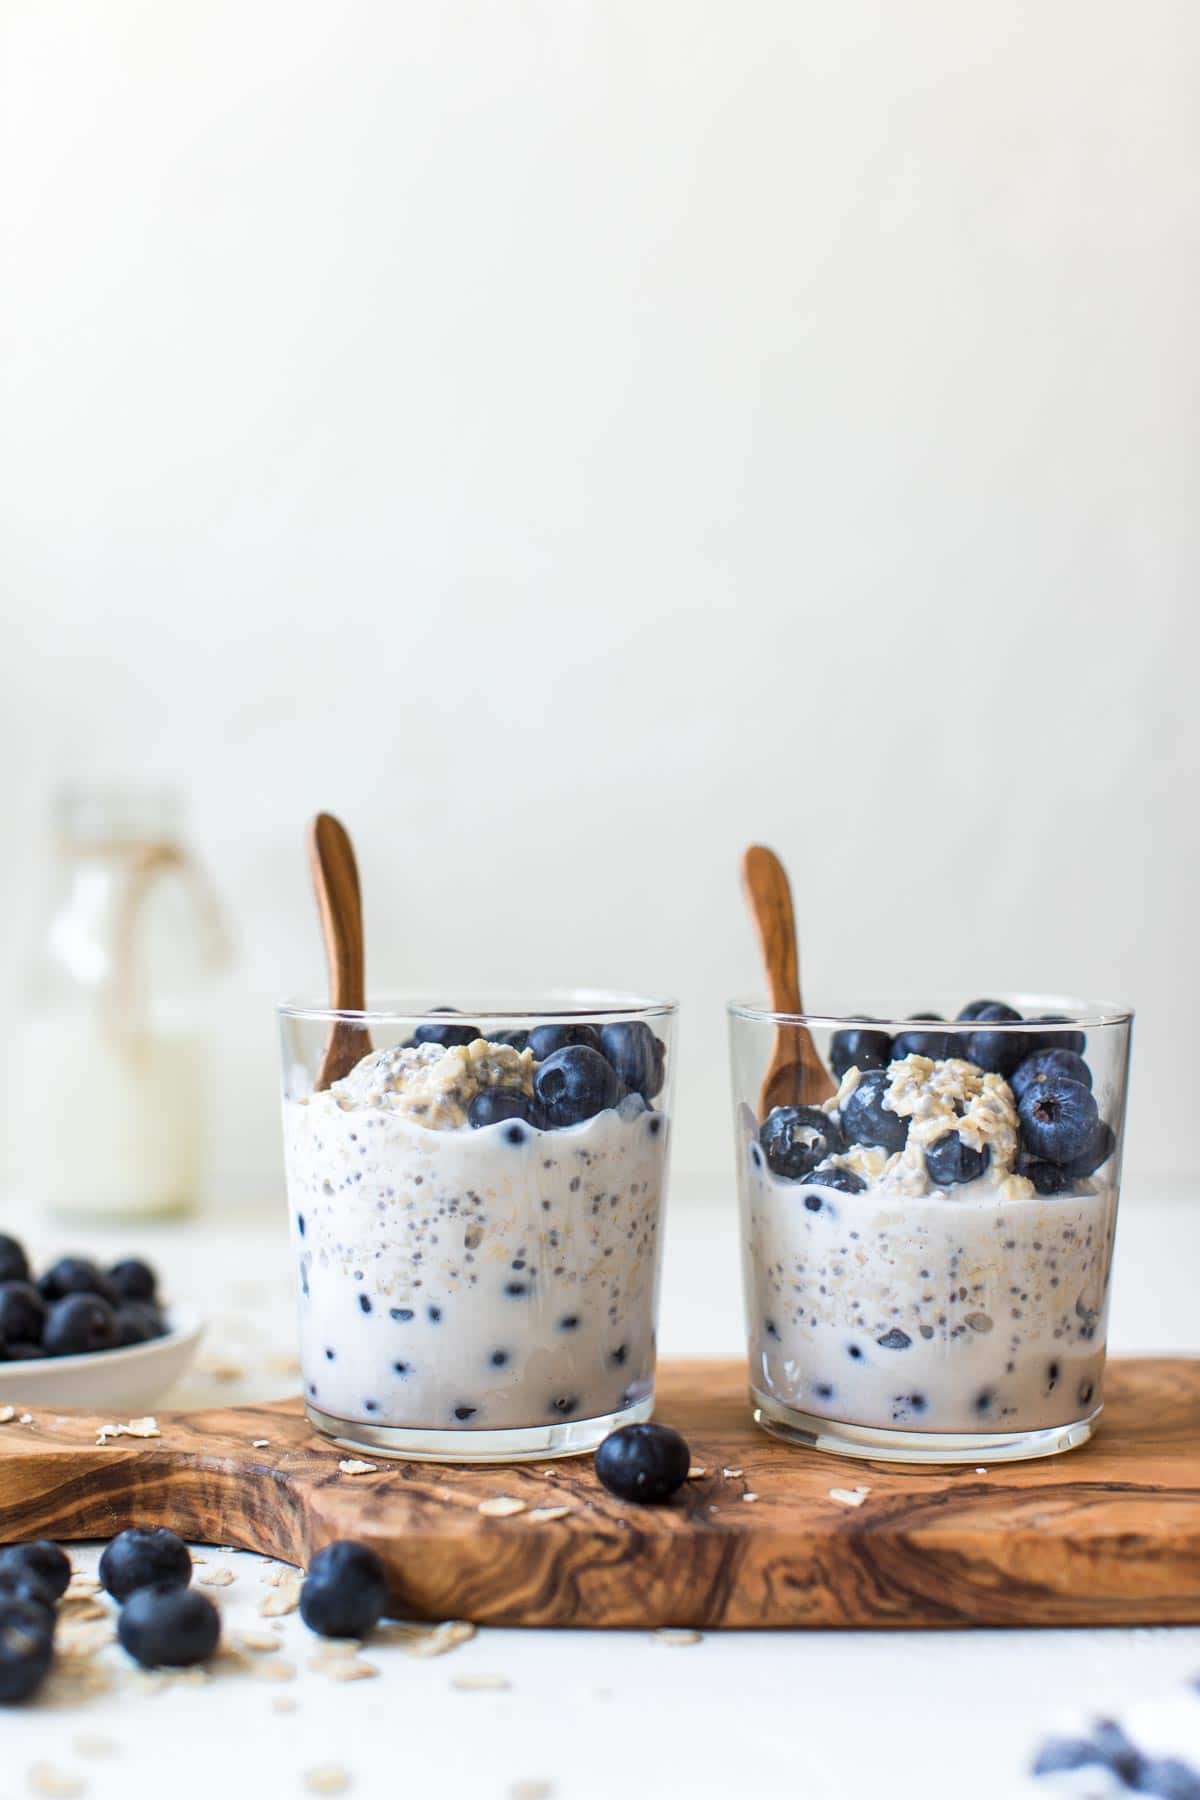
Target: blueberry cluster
[[74, 1307], [33, 1579], [163, 1622], [1063, 1137], [581, 1070], [1109, 1749], [646, 1463]]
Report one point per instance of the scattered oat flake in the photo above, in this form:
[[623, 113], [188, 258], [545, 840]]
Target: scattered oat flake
[[217, 1578], [283, 1365], [731, 1472], [749, 1496], [481, 1684], [351, 1669], [677, 1639], [7, 1414], [258, 1641], [26, 1419], [531, 1790], [541, 1515], [446, 1636], [283, 1598], [260, 1443], [500, 1506], [283, 1703], [44, 1778], [135, 1428], [981, 1471], [77, 1607], [696, 1471], [350, 1465], [223, 1371], [327, 1778], [849, 1496], [85, 1637], [92, 1743], [274, 1670]]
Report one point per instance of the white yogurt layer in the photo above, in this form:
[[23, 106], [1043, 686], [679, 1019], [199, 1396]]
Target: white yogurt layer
[[485, 1279], [980, 1307]]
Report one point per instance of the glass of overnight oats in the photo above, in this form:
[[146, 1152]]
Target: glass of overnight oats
[[476, 1216], [927, 1245]]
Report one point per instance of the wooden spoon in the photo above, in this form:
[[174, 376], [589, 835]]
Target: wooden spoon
[[796, 1075], [339, 902]]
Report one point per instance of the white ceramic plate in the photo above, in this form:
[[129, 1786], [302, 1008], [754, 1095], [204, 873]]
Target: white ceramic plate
[[117, 1381]]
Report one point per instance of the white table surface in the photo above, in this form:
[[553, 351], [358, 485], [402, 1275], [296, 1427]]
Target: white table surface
[[593, 1715]]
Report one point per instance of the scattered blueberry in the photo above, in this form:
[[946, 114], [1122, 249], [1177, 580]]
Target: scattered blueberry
[[136, 1280], [844, 1180], [1044, 1063], [895, 1339], [169, 1627], [1072, 1040], [144, 1556], [51, 1565], [78, 1324], [345, 1591], [796, 1138], [857, 1049], [647, 1463], [26, 1647], [997, 1051], [574, 1084], [949, 1161], [865, 1118], [28, 1587], [76, 1275], [1096, 1152], [934, 1044], [636, 1055], [493, 1105], [14, 1264], [544, 1040], [22, 1312], [1058, 1119]]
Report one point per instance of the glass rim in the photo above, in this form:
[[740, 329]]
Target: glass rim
[[1089, 1014], [605, 1004]]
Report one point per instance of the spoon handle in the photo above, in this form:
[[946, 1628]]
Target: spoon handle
[[770, 896], [339, 902]]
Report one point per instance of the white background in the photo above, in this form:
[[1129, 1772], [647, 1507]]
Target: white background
[[573, 439]]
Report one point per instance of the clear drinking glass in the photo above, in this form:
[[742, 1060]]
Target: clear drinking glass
[[927, 1248], [476, 1214]]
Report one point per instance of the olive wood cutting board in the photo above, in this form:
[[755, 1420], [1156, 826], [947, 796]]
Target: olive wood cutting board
[[1106, 1535]]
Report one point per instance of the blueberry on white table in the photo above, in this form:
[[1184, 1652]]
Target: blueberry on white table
[[24, 1585], [345, 1591], [144, 1557], [26, 1648], [169, 1627], [51, 1565], [647, 1463]]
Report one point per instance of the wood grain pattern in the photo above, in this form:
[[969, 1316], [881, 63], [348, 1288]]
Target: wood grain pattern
[[1107, 1535], [796, 1076], [339, 902]]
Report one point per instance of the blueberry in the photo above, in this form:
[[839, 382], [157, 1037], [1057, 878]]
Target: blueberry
[[949, 1161], [493, 1105], [1043, 1063], [16, 1352], [935, 1044], [997, 1051], [76, 1275], [345, 1591], [796, 1138], [171, 1627], [574, 1084], [974, 1009], [26, 1647], [1099, 1148], [138, 1322], [14, 1264], [636, 1054], [1058, 1119], [859, 1050], [1075, 1041], [1047, 1178], [22, 1312], [25, 1585], [544, 1040], [79, 1324], [144, 1556], [51, 1565], [136, 1280], [643, 1462], [446, 1034], [845, 1181], [515, 1040], [865, 1118]]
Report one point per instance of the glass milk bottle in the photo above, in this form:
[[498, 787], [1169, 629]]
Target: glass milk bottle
[[113, 1050]]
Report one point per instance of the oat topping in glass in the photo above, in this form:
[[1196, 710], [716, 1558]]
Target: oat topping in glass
[[927, 1254], [475, 1212]]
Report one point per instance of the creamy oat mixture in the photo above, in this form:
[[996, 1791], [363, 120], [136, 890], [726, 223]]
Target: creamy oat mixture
[[483, 1279]]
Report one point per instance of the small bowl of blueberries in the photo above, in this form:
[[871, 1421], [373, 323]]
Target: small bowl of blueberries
[[78, 1335]]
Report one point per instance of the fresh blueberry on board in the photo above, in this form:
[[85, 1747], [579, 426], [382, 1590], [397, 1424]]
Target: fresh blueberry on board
[[51, 1565], [647, 1463], [22, 1312], [14, 1264], [345, 1591], [937, 1045], [79, 1324], [796, 1138], [997, 1051], [1058, 1119], [1044, 1063], [491, 1106], [574, 1084], [142, 1557], [544, 1040], [865, 1118], [134, 1279], [26, 1585], [949, 1161], [26, 1648], [165, 1626], [636, 1054], [76, 1275], [845, 1181], [1072, 1039], [859, 1049]]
